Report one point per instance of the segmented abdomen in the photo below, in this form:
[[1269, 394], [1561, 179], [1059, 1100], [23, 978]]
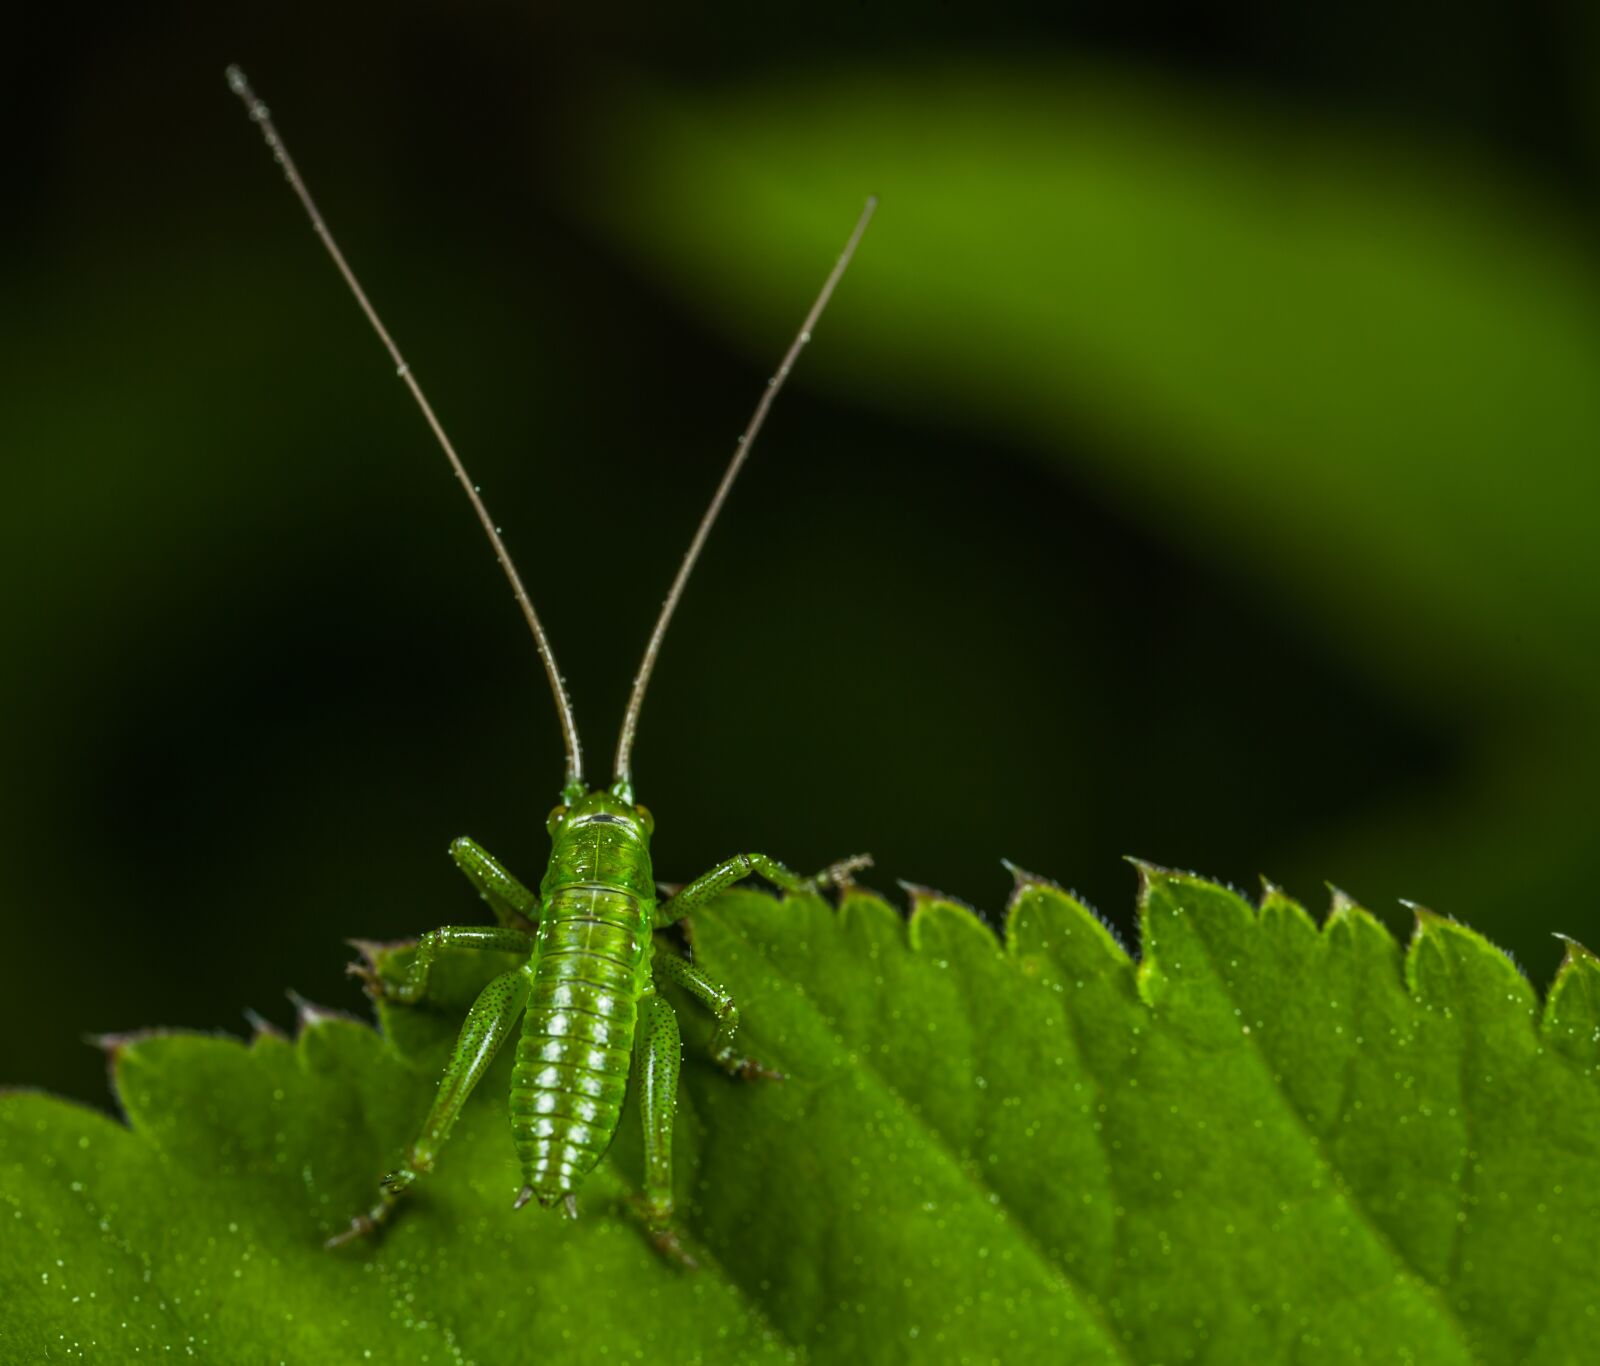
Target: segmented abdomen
[[577, 1035]]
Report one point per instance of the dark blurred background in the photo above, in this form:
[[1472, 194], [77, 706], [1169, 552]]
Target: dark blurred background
[[1199, 463]]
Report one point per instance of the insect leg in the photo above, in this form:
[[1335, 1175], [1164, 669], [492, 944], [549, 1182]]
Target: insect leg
[[706, 887], [513, 904], [669, 967], [484, 1030], [484, 938], [657, 1052]]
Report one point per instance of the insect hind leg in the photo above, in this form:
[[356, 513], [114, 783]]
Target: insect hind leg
[[669, 967], [484, 1030], [657, 1056]]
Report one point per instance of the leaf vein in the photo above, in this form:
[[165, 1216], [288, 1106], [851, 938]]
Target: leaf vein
[[1079, 1292], [1341, 1184]]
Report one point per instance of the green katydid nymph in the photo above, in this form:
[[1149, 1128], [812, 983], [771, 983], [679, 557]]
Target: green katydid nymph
[[586, 991]]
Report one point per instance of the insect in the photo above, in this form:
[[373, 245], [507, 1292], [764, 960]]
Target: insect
[[587, 988]]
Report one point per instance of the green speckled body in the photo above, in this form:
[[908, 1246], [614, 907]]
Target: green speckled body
[[586, 991], [591, 967]]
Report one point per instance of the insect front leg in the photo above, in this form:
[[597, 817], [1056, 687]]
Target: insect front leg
[[668, 967], [484, 938], [484, 1030], [514, 906], [708, 885], [657, 1053]]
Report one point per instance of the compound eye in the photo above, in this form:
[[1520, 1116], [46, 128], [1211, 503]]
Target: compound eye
[[552, 822], [649, 820]]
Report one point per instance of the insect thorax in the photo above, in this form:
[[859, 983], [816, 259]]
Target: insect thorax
[[601, 842]]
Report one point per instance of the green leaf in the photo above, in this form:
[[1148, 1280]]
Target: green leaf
[[1263, 1142]]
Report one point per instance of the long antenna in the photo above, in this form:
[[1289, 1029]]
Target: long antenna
[[641, 680], [569, 726]]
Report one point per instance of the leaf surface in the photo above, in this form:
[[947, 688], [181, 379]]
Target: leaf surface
[[1264, 1141]]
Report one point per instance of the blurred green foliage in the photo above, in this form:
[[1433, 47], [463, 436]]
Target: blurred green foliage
[[1196, 464], [1354, 373]]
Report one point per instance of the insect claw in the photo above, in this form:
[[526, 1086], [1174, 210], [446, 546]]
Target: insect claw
[[749, 1069], [670, 1246], [370, 949], [523, 1196], [367, 967], [680, 1254], [840, 875], [365, 971], [360, 1227], [657, 1221], [569, 1205]]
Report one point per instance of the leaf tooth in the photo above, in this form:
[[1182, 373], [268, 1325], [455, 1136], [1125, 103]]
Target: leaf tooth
[[111, 1044], [1571, 1019], [1154, 878], [1043, 919], [115, 1044], [929, 906], [261, 1027], [923, 897], [1153, 875], [1278, 906], [1423, 919], [857, 891], [1347, 914], [945, 929], [1439, 930], [1574, 952], [1340, 903], [309, 1015], [1149, 874], [1024, 882], [1442, 949], [1022, 879]]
